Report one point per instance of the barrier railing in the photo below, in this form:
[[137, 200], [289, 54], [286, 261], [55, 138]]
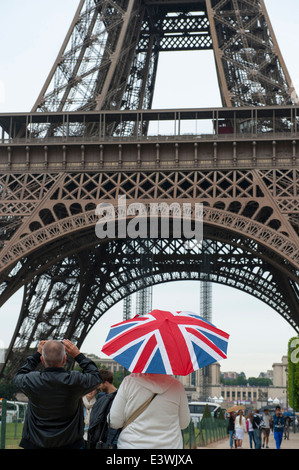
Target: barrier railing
[[11, 425], [102, 125], [204, 432], [197, 435]]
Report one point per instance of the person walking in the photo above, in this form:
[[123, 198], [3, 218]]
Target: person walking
[[231, 428], [54, 417], [286, 433], [159, 425], [266, 430], [278, 426], [250, 429], [240, 428], [257, 431]]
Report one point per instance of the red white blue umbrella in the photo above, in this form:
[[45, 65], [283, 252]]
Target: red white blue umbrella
[[161, 342]]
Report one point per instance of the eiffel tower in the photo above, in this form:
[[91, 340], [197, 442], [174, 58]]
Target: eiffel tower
[[87, 140]]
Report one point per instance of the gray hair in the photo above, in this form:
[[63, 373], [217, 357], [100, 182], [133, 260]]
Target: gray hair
[[53, 353]]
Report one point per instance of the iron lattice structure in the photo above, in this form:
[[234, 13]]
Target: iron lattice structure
[[206, 313], [110, 55], [86, 141]]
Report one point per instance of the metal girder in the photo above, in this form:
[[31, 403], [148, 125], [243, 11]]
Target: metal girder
[[71, 278], [70, 294], [109, 57], [251, 69], [259, 203]]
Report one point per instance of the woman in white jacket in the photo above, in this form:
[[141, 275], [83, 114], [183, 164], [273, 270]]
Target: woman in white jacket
[[160, 424], [240, 428]]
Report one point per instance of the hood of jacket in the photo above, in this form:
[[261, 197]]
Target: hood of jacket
[[156, 383]]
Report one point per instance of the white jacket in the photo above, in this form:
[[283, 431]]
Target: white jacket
[[159, 426], [239, 425]]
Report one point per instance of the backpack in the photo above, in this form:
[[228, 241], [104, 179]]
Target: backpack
[[262, 424], [98, 426], [259, 422]]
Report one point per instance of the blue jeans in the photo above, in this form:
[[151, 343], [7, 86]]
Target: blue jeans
[[251, 438], [257, 438], [278, 438]]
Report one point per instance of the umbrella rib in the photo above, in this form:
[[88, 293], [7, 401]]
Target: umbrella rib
[[182, 351]]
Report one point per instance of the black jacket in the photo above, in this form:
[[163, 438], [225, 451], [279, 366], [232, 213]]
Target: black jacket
[[54, 415], [98, 426]]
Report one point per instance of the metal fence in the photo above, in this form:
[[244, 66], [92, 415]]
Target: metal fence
[[11, 424], [204, 432], [199, 434]]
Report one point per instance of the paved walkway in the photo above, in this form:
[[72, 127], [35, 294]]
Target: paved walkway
[[291, 443]]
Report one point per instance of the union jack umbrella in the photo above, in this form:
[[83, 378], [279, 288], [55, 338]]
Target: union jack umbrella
[[161, 342]]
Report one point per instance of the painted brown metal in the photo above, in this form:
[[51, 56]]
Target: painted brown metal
[[50, 190], [120, 42]]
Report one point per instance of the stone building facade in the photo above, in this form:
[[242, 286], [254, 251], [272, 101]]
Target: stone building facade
[[229, 394]]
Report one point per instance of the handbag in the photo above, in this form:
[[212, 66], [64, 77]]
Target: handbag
[[105, 441]]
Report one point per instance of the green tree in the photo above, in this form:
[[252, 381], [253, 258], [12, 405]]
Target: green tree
[[119, 377], [293, 372], [7, 390], [259, 382], [207, 412], [241, 380]]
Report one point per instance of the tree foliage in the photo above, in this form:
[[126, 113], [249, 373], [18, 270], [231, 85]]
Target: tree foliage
[[7, 390], [293, 372], [259, 382], [207, 412], [252, 381]]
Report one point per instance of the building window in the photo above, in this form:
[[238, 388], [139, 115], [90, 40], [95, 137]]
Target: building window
[[193, 379]]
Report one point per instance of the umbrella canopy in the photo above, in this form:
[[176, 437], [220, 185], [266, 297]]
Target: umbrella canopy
[[288, 413], [162, 342], [235, 408]]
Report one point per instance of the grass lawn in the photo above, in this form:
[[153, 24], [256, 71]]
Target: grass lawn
[[13, 435]]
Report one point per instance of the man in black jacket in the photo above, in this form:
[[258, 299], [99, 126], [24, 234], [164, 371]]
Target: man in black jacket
[[54, 417]]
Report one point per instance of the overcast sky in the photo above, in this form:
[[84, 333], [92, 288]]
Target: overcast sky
[[31, 34]]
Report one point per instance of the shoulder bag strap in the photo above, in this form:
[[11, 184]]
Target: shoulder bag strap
[[138, 411]]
